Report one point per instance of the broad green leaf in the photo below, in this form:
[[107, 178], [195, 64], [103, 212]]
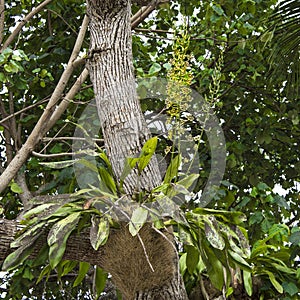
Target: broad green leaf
[[229, 291], [40, 209], [290, 288], [214, 267], [283, 268], [16, 188], [218, 9], [294, 238], [154, 68], [172, 170], [247, 279], [212, 232], [100, 281], [138, 219], [232, 217], [62, 228], [192, 258], [58, 236], [68, 266], [99, 231], [83, 269], [89, 164], [147, 153], [129, 164], [104, 157], [2, 77]]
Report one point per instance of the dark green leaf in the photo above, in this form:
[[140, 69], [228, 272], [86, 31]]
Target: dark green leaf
[[100, 281], [83, 269], [192, 258]]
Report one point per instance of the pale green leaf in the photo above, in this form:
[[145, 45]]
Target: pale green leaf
[[138, 219], [99, 231], [147, 153], [16, 188], [275, 283], [59, 164], [247, 282]]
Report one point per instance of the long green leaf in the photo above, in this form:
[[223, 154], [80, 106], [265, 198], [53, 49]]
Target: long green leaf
[[244, 265], [15, 258], [247, 282], [83, 269], [192, 258], [59, 164], [58, 236], [275, 283], [27, 236], [99, 231], [172, 170], [101, 277], [212, 233], [214, 267], [108, 180], [147, 153]]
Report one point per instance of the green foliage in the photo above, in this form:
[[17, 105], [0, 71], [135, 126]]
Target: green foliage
[[257, 100]]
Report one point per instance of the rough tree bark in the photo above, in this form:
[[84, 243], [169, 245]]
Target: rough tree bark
[[111, 72], [125, 131]]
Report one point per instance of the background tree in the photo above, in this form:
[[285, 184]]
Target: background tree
[[230, 59]]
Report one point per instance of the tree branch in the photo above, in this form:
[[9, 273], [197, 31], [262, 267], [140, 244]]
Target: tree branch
[[7, 134], [144, 12], [2, 19], [44, 123], [23, 22], [26, 195]]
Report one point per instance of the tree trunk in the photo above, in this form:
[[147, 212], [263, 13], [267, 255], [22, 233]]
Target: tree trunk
[[145, 268], [111, 72]]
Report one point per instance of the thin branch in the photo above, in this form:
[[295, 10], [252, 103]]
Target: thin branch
[[24, 109], [6, 134], [144, 12], [23, 22], [67, 99], [54, 12], [26, 195], [44, 123], [149, 30], [2, 19], [145, 252], [13, 124]]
